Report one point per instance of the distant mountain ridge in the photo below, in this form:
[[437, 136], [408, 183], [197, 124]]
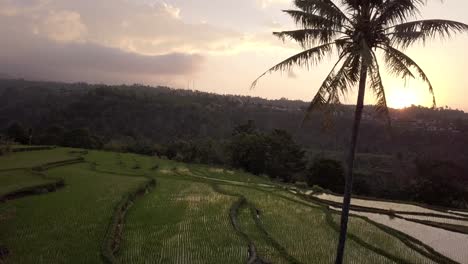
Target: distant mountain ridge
[[162, 114], [5, 76]]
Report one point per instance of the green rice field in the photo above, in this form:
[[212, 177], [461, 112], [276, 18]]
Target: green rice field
[[126, 208]]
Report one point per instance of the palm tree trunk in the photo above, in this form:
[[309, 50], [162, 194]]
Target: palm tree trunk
[[350, 165]]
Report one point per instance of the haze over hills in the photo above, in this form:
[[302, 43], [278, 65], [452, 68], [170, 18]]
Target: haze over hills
[[104, 159], [5, 76], [199, 149], [161, 114]]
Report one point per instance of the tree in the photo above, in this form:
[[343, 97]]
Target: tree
[[17, 133], [355, 31], [440, 183], [285, 158], [248, 128], [249, 152], [326, 173], [53, 135], [80, 138], [275, 153]]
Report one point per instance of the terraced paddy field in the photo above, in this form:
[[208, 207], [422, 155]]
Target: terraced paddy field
[[30, 159], [184, 222], [12, 181], [73, 206]]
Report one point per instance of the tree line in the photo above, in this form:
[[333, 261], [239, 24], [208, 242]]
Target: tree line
[[275, 154], [212, 129]]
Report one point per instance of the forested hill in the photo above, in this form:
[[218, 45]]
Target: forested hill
[[161, 114]]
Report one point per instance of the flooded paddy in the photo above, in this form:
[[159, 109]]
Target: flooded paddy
[[399, 207], [450, 244]]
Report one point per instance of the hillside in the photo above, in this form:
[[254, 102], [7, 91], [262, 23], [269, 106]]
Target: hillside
[[423, 146], [126, 208], [161, 115]]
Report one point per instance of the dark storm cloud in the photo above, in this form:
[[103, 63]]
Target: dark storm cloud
[[35, 57], [47, 43]]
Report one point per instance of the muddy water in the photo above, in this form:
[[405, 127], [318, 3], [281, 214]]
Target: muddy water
[[459, 212], [450, 244], [383, 205], [436, 219]]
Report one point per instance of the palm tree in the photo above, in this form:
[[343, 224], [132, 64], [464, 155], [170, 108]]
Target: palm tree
[[355, 31]]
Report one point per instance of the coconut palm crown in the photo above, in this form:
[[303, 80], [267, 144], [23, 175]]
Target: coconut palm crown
[[355, 30]]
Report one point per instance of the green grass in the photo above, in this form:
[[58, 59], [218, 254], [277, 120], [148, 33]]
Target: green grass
[[182, 222], [184, 219], [65, 226], [302, 230], [264, 248], [133, 164], [227, 174], [374, 236], [123, 163], [11, 181], [292, 197], [33, 158], [19, 148]]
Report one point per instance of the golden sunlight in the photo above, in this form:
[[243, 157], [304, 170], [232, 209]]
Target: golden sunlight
[[401, 97]]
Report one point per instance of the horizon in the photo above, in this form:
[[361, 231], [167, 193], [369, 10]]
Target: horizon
[[177, 131], [226, 94], [219, 49]]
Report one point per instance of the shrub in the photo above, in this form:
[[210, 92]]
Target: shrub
[[326, 173], [317, 189], [4, 149], [391, 213], [302, 185]]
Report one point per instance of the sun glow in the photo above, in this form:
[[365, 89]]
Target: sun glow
[[401, 97]]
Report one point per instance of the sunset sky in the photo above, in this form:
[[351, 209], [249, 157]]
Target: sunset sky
[[216, 46]]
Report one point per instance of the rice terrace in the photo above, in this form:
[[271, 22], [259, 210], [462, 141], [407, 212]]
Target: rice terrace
[[225, 132], [72, 205]]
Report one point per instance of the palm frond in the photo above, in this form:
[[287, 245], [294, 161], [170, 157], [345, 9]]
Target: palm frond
[[410, 63], [358, 6], [398, 11], [323, 96], [406, 39], [367, 7], [348, 75], [396, 66], [336, 82], [312, 21], [351, 5], [305, 58], [407, 33], [307, 37], [377, 87], [324, 8]]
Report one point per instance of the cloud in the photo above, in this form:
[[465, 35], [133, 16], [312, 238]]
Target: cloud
[[64, 26], [273, 24], [15, 7], [94, 63], [113, 40], [268, 3], [57, 56], [86, 62], [150, 27], [171, 10]]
